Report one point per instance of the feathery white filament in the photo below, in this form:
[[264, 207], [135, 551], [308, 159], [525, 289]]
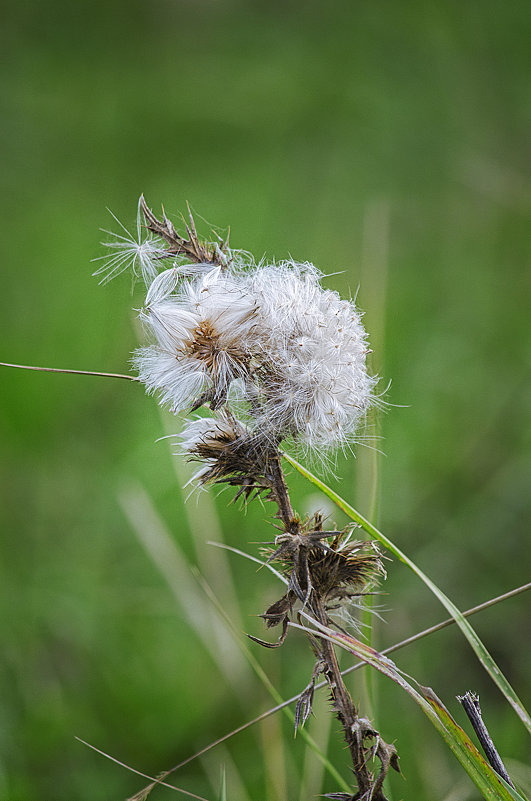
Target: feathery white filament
[[140, 254]]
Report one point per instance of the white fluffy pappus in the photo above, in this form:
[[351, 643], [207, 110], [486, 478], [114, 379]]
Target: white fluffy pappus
[[140, 254], [200, 327], [313, 348], [292, 353]]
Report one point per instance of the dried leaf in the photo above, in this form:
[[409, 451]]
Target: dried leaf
[[278, 611], [273, 644]]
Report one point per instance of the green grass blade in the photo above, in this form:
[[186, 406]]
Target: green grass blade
[[512, 792], [481, 773], [223, 785], [479, 649], [452, 726]]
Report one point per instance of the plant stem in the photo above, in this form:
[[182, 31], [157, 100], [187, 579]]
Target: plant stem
[[64, 370], [354, 728], [346, 711], [470, 703], [280, 489]]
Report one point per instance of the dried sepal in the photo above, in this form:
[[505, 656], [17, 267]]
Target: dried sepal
[[277, 612], [339, 796], [304, 704], [280, 640]]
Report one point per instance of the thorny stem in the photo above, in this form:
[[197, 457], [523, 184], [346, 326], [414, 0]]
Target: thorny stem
[[346, 711], [280, 490], [355, 728]]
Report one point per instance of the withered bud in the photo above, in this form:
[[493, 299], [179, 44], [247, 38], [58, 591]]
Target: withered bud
[[343, 572], [230, 452], [335, 570]]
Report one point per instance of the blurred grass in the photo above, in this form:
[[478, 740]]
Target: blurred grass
[[294, 124]]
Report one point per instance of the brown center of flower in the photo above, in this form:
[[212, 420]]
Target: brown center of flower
[[207, 347]]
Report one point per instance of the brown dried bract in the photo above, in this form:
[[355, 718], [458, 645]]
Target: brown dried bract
[[332, 570], [198, 251]]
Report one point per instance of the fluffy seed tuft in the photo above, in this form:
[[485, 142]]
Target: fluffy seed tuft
[[293, 352]]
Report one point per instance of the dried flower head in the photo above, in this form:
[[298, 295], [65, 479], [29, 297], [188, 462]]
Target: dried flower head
[[229, 452], [329, 563], [296, 352], [325, 569], [201, 338], [340, 573]]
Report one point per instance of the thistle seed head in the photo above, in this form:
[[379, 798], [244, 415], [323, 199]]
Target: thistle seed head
[[313, 349], [296, 351], [200, 331]]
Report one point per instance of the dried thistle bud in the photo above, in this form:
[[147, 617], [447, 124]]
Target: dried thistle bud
[[340, 573], [229, 452], [335, 571]]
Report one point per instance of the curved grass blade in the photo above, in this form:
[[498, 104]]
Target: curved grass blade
[[481, 773], [479, 649]]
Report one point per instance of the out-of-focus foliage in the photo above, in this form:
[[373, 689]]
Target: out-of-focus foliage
[[389, 144]]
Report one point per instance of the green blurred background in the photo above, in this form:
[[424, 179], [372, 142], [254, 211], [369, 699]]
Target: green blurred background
[[386, 142]]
